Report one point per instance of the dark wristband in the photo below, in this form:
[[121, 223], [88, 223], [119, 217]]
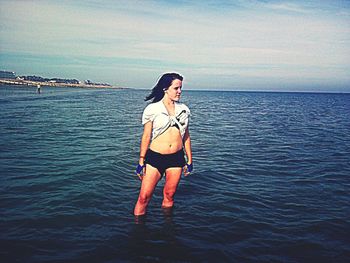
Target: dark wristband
[[189, 167], [139, 168]]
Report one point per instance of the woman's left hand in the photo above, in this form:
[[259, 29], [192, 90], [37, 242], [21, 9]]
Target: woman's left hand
[[188, 169]]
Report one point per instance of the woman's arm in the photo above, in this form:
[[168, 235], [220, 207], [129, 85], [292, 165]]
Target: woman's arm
[[187, 146], [145, 141]]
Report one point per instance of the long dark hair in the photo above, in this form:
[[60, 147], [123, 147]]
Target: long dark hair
[[163, 84]]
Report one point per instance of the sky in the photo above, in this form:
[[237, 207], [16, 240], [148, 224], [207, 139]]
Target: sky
[[215, 44]]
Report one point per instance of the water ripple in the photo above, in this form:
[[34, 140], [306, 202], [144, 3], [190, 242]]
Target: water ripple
[[270, 182]]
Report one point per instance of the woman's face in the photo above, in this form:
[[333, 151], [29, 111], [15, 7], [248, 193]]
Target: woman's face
[[174, 91]]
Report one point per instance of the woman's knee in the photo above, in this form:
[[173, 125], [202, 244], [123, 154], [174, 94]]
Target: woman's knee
[[144, 198], [169, 195]]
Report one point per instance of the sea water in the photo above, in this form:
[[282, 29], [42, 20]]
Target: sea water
[[271, 179]]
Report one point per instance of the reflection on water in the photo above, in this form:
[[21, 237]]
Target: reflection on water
[[158, 244], [270, 184]]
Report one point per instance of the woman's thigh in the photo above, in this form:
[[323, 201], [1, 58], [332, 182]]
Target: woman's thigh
[[172, 179], [150, 180]]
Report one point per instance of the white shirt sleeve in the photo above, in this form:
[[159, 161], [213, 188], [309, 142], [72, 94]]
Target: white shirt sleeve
[[148, 114]]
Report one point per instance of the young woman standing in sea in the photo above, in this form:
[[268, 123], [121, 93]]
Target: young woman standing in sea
[[164, 143]]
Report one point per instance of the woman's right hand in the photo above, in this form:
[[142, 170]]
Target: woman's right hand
[[140, 170]]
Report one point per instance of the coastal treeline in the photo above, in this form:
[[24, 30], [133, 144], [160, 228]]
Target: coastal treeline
[[55, 80]]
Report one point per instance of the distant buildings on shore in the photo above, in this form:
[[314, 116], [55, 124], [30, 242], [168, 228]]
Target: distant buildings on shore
[[53, 80], [7, 74], [89, 82], [10, 75]]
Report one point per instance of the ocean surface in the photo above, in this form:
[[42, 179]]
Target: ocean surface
[[271, 179]]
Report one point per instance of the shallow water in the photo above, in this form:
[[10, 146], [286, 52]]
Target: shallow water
[[270, 184]]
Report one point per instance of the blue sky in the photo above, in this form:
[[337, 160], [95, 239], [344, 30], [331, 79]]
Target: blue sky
[[215, 44]]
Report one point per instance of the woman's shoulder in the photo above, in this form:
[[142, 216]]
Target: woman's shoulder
[[154, 106]]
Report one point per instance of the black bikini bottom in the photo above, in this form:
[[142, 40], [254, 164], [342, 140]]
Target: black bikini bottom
[[165, 161]]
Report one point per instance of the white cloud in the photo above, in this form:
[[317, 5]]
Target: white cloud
[[246, 41], [287, 7]]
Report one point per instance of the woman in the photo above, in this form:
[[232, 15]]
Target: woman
[[164, 137]]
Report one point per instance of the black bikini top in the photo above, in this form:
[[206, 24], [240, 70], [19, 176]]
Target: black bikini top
[[175, 124]]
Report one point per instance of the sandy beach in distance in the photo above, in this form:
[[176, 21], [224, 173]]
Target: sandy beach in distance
[[53, 84]]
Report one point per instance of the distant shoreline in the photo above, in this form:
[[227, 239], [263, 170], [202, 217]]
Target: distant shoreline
[[54, 84]]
